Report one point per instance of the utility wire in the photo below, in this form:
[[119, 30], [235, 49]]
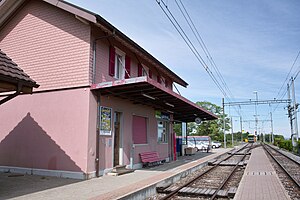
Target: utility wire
[[197, 35], [190, 44], [201, 43], [287, 77], [194, 50]]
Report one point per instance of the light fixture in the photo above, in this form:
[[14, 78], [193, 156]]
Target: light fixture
[[148, 96], [169, 111], [169, 104]]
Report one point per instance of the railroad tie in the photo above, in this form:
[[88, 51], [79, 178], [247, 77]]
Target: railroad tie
[[241, 163], [231, 192], [184, 190], [222, 193], [207, 192], [197, 191], [211, 162], [170, 189], [212, 191], [203, 191]]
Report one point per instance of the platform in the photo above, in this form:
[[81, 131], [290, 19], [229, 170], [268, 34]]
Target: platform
[[128, 186], [260, 180]]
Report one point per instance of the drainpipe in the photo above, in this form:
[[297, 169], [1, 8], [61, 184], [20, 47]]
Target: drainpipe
[[97, 159], [94, 54], [97, 136]]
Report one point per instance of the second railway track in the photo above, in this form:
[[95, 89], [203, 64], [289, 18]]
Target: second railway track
[[287, 170], [219, 180]]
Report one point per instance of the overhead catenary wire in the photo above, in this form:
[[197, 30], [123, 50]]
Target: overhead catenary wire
[[202, 43], [194, 50], [287, 76], [203, 46]]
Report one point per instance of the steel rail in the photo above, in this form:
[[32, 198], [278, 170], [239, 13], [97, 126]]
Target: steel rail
[[199, 176], [283, 154], [282, 167], [229, 176]]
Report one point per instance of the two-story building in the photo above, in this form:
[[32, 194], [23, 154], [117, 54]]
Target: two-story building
[[102, 99]]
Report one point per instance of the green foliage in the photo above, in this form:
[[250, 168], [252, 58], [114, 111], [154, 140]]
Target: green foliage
[[286, 144], [213, 128], [177, 129]]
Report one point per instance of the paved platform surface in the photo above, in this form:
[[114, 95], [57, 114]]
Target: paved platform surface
[[105, 187], [260, 180]]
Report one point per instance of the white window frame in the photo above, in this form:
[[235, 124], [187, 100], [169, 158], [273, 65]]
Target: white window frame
[[119, 64], [145, 71], [164, 137]]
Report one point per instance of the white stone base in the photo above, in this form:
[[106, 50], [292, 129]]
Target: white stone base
[[46, 172]]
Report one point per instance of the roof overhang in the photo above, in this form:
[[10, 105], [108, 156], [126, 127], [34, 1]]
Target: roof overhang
[[145, 91], [9, 7]]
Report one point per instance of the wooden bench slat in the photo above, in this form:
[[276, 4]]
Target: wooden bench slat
[[150, 158]]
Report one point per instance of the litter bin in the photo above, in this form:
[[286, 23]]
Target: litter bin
[[179, 146]]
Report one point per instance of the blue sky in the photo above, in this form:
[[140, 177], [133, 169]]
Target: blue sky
[[254, 44]]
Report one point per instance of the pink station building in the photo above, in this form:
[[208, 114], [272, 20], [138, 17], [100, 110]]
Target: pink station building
[[102, 99]]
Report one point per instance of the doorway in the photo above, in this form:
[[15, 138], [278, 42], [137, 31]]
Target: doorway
[[117, 139]]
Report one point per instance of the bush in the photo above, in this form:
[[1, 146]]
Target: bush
[[286, 144]]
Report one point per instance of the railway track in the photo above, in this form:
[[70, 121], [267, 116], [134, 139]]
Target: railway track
[[287, 170], [218, 180]]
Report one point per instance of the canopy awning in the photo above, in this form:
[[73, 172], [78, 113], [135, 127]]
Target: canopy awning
[[145, 91]]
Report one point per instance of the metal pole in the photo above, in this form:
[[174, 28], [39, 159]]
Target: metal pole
[[295, 110], [290, 114], [256, 120], [224, 122], [272, 133], [231, 131], [241, 128]]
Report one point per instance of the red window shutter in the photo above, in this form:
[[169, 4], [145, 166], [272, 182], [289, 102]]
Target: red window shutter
[[112, 55], [166, 83], [139, 130], [158, 79], [150, 73], [127, 66], [140, 70]]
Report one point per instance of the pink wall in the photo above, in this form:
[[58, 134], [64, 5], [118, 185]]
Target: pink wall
[[49, 44], [46, 131], [129, 109], [102, 63], [92, 124]]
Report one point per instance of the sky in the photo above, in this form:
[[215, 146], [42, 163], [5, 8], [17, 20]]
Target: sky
[[253, 43]]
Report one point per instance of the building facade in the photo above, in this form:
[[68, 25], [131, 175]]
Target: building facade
[[102, 98]]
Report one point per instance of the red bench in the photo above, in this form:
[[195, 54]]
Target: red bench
[[150, 158]]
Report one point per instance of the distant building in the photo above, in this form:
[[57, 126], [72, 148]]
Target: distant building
[[102, 98]]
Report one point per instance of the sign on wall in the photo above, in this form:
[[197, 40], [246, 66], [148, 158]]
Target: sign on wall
[[105, 120]]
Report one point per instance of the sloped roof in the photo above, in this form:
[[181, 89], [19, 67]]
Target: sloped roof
[[11, 75], [8, 7]]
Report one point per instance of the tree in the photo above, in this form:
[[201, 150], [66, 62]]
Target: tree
[[213, 128]]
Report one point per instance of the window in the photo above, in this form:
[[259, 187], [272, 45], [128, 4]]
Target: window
[[144, 72], [162, 131], [119, 64], [139, 130]]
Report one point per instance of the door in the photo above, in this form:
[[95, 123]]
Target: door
[[117, 138]]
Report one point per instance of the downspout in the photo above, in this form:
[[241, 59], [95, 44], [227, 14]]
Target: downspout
[[94, 54], [97, 136], [97, 159]]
